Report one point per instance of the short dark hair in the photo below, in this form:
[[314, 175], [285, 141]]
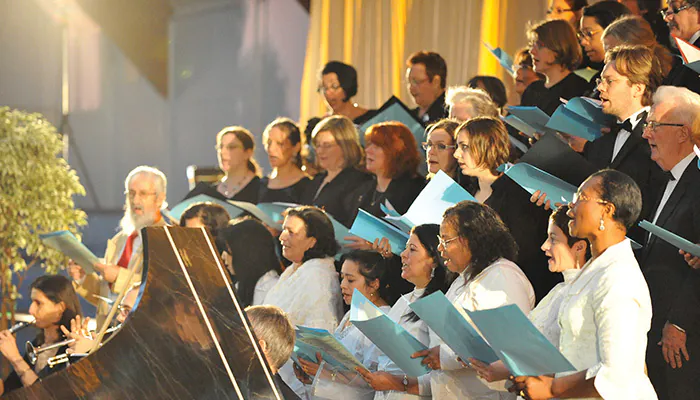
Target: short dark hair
[[605, 12], [319, 227], [373, 266], [493, 86], [560, 37], [58, 288], [486, 234], [622, 191], [561, 220], [347, 77], [433, 62], [213, 216]]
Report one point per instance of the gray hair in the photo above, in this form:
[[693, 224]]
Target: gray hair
[[272, 325], [686, 105], [157, 177], [481, 102]]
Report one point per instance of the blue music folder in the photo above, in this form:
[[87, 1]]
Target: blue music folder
[[503, 58], [670, 237], [310, 341], [453, 327], [533, 179], [566, 121], [392, 339], [590, 109], [521, 347], [532, 116], [370, 228], [177, 211], [519, 124], [68, 244], [690, 53], [441, 193], [395, 110]]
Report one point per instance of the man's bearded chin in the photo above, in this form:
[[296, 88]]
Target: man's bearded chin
[[134, 222]]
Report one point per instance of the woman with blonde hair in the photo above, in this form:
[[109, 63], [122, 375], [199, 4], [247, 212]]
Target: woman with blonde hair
[[340, 158]]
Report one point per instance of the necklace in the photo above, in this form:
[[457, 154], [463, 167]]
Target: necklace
[[230, 191], [377, 197]]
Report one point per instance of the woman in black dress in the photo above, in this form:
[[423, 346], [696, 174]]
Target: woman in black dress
[[340, 158], [287, 182], [235, 147]]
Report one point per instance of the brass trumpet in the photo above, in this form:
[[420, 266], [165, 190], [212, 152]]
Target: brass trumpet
[[33, 352]]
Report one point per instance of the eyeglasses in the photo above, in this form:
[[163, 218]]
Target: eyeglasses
[[558, 10], [671, 10], [605, 82], [132, 195], [439, 146], [442, 242], [332, 88], [416, 82], [325, 146], [579, 197], [652, 125], [588, 35]]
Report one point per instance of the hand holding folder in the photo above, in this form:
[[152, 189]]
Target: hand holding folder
[[390, 337], [371, 228], [310, 341]]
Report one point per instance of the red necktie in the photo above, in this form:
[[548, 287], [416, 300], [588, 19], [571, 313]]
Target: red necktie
[[128, 249]]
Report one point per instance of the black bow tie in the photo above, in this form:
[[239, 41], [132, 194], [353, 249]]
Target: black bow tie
[[625, 126], [669, 176]]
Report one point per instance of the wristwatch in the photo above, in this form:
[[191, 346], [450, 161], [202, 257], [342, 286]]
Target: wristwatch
[[405, 383]]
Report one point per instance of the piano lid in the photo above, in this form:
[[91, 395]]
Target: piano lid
[[186, 338]]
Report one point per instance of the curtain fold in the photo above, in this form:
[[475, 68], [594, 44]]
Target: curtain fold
[[376, 37]]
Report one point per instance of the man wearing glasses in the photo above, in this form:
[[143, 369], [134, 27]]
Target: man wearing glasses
[[628, 80], [145, 197], [683, 20], [426, 75], [673, 349]]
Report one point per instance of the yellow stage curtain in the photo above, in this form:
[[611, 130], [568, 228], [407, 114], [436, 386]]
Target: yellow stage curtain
[[376, 37]]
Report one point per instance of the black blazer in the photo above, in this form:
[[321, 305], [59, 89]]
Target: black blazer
[[249, 193], [634, 159], [682, 76], [435, 112], [547, 99], [673, 285], [339, 196], [528, 225]]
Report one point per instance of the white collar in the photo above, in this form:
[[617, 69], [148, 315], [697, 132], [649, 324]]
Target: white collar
[[634, 118], [695, 37], [678, 169]]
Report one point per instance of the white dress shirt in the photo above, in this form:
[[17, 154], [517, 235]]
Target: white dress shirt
[[263, 286], [501, 283], [623, 134], [604, 320], [419, 330], [310, 295], [545, 317]]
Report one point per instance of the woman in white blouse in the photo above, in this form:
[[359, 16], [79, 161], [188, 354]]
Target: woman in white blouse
[[308, 290], [606, 312], [476, 244], [421, 266], [567, 254], [255, 272]]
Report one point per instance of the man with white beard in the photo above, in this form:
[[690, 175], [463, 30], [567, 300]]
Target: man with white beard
[[145, 197]]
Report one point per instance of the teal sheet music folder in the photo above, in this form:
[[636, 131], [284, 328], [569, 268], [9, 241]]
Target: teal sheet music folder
[[520, 125], [177, 211], [566, 121], [532, 116], [690, 53], [310, 341], [370, 228], [533, 179], [395, 110], [503, 58], [521, 347], [670, 237], [68, 244], [392, 339], [441, 193], [453, 328]]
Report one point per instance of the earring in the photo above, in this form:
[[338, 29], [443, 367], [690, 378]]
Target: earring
[[432, 273], [602, 224]]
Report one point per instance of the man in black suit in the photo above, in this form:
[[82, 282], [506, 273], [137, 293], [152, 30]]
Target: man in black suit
[[426, 75], [683, 20], [628, 80], [673, 350]]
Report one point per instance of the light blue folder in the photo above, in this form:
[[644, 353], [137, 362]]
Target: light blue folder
[[502, 57], [566, 121], [670, 237], [533, 179], [257, 212], [68, 244], [690, 53], [310, 341], [520, 125], [392, 339], [590, 109], [395, 110], [370, 228], [532, 116], [453, 328], [523, 349], [177, 211], [441, 193]]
